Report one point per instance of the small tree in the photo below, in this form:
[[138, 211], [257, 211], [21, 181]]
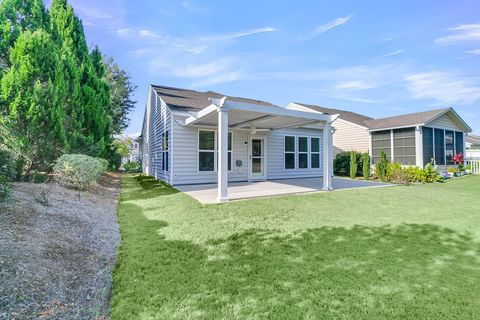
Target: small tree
[[353, 164], [366, 165], [381, 166]]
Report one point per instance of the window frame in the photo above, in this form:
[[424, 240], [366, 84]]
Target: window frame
[[289, 152], [215, 151], [314, 153], [307, 153], [165, 150]]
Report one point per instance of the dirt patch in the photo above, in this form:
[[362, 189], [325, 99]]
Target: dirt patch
[[56, 260]]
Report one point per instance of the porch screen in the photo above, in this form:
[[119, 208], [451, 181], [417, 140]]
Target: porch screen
[[449, 146], [427, 134], [439, 147], [459, 143], [404, 146], [381, 141]]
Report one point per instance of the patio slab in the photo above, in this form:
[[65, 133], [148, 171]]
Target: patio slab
[[207, 193]]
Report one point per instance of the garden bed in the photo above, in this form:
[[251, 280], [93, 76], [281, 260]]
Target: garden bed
[[56, 260]]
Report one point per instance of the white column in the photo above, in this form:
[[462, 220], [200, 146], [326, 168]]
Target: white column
[[327, 157], [222, 155], [419, 146], [392, 152]]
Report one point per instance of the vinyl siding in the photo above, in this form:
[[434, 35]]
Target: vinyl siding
[[159, 119], [275, 154], [445, 122], [185, 163], [349, 137]]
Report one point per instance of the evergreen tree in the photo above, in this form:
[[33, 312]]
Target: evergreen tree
[[30, 91], [17, 16]]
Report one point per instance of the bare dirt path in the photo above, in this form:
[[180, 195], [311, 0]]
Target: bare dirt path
[[56, 261]]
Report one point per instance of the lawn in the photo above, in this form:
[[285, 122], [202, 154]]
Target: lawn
[[385, 253]]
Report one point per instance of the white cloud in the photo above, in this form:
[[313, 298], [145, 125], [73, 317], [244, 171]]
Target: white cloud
[[148, 34], [443, 87], [192, 7], [232, 36], [461, 33], [475, 52], [357, 99], [390, 54], [123, 32], [356, 85], [220, 78], [92, 12], [201, 70], [329, 26]]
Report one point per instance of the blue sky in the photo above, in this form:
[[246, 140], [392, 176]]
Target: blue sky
[[379, 58]]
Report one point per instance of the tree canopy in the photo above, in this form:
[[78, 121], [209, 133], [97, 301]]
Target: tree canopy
[[57, 95]]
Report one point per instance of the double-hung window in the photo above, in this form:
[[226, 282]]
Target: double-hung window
[[302, 152], [165, 144], [315, 153], [289, 152], [206, 150]]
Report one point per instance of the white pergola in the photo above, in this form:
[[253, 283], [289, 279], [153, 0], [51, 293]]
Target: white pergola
[[227, 113]]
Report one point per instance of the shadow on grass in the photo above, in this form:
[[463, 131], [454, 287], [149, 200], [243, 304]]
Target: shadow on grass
[[408, 271]]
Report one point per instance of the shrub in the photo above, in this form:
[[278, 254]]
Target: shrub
[[366, 165], [413, 174], [353, 164], [395, 173], [381, 166], [430, 174], [341, 163], [451, 170], [78, 171], [132, 166]]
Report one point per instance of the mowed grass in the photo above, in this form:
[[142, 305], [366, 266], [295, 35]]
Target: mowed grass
[[385, 253]]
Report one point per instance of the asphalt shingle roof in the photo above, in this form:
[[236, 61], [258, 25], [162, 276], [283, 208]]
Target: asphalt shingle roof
[[404, 120], [191, 100], [345, 115]]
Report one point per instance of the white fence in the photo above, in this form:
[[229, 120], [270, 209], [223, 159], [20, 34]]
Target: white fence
[[475, 164]]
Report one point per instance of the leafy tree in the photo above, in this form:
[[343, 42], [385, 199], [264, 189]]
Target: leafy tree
[[353, 164], [381, 167], [121, 91], [366, 165]]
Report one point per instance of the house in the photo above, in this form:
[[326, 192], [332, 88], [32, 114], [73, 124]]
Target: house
[[133, 152], [472, 145], [191, 137], [409, 139]]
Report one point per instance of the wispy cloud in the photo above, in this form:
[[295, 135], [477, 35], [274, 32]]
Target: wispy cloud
[[475, 52], [356, 85], [461, 33], [232, 36], [202, 70], [328, 26], [390, 54], [148, 34], [91, 12], [443, 87], [190, 6]]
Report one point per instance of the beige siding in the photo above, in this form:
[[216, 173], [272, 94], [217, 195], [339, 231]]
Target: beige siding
[[445, 122], [349, 137]]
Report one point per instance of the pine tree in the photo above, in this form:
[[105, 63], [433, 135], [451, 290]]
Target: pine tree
[[29, 90]]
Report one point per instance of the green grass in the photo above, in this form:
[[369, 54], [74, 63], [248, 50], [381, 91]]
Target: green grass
[[385, 253]]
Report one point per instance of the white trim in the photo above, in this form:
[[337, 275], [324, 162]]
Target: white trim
[[215, 150], [419, 146], [303, 152], [392, 152], [222, 183], [327, 157], [290, 152]]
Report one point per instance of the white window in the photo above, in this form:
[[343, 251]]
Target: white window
[[303, 152], [289, 152], [315, 153], [208, 149], [165, 146]]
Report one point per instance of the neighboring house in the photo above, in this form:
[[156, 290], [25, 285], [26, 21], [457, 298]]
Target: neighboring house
[[410, 139], [134, 151], [472, 144], [353, 132], [191, 137]]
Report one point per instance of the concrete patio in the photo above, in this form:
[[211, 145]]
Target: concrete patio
[[207, 193]]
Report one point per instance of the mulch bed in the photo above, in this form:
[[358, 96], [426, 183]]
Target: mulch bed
[[56, 260]]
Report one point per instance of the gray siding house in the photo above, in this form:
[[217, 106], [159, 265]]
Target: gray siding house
[[191, 137], [410, 139]]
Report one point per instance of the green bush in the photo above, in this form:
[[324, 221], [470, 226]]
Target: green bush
[[366, 165], [132, 166], [341, 163], [78, 171], [353, 164], [381, 166], [395, 173]]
